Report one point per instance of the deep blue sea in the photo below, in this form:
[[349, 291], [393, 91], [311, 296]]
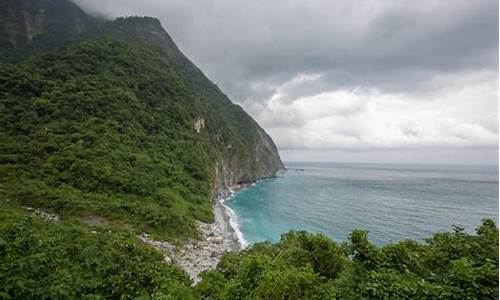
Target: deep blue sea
[[393, 202]]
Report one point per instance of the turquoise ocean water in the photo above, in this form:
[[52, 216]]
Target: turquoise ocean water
[[393, 202]]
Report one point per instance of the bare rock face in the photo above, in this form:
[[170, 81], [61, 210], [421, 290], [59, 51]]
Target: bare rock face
[[33, 25], [199, 124]]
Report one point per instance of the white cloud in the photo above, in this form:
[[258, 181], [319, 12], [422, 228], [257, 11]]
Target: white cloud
[[461, 110]]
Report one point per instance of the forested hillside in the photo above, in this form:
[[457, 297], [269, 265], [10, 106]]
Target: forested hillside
[[127, 131]]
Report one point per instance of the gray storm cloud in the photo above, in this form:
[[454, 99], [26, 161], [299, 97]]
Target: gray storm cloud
[[345, 75]]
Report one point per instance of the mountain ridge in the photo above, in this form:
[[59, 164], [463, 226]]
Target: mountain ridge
[[150, 30]]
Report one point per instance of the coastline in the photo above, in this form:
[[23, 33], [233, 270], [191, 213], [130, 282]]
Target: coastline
[[234, 223], [229, 215], [221, 236], [226, 220]]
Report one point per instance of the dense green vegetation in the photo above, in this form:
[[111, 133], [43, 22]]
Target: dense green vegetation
[[102, 134], [105, 129], [452, 265], [40, 260], [68, 260]]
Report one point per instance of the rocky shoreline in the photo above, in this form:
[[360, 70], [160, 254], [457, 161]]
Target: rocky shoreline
[[197, 256], [218, 237]]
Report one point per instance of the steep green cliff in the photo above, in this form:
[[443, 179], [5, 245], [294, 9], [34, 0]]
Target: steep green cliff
[[122, 126], [247, 152]]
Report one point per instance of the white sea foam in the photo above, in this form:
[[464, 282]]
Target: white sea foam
[[234, 222]]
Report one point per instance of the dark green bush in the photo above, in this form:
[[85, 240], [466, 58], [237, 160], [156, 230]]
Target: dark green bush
[[40, 260], [452, 265]]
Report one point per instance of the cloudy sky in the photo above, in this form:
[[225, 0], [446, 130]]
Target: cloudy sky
[[365, 80]]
